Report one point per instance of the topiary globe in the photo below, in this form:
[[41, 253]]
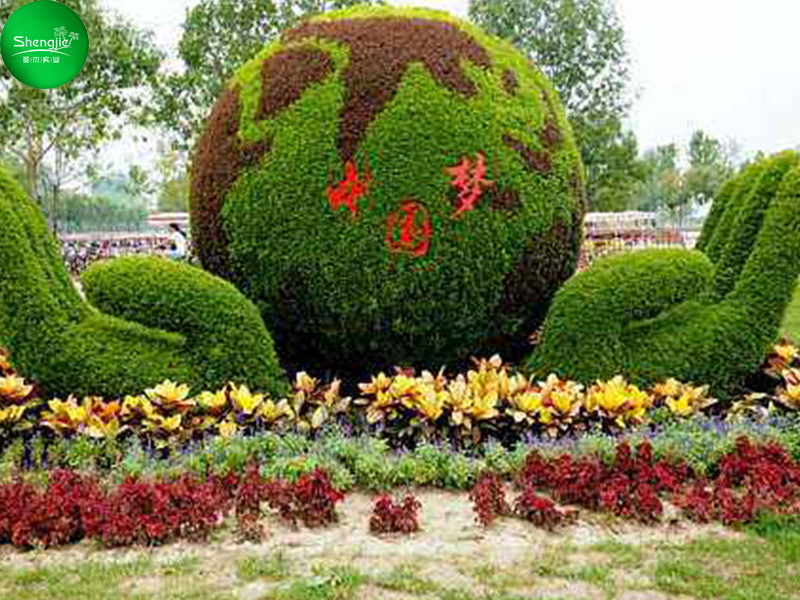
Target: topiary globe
[[390, 186]]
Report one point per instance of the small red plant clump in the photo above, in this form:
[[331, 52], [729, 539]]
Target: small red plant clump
[[629, 487], [389, 516], [248, 492], [72, 507], [311, 499], [488, 499], [315, 499], [33, 518], [540, 511], [577, 481], [153, 513], [751, 478]]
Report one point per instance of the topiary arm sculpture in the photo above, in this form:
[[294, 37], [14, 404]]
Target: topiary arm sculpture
[[185, 325], [656, 314]]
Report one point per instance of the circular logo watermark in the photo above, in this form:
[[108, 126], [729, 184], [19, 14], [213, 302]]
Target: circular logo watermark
[[44, 44]]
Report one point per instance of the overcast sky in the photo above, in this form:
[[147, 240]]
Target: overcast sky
[[730, 67]]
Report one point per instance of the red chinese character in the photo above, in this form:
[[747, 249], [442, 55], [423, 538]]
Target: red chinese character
[[409, 229], [349, 190], [470, 180]]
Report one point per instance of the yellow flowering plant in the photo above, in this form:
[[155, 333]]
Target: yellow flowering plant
[[753, 407], [312, 403], [5, 364], [65, 416], [618, 402], [380, 402], [17, 401], [561, 405], [682, 400], [171, 397], [788, 394], [13, 389], [784, 356]]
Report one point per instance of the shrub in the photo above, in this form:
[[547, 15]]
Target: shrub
[[709, 319], [41, 518], [389, 516], [68, 347], [540, 511], [222, 331], [389, 186], [154, 513], [488, 499], [311, 499]]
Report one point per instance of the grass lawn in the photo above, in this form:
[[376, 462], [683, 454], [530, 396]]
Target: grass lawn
[[744, 567], [791, 320]]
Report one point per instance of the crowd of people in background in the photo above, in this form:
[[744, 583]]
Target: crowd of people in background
[[80, 251]]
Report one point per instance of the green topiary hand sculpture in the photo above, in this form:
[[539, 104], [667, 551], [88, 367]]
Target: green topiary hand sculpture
[[705, 316], [169, 320]]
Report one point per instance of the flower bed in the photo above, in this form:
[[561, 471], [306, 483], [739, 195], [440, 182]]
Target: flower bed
[[67, 506], [73, 506], [490, 401]]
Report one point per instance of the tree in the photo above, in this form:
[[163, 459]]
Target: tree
[[619, 177], [173, 184], [54, 127], [710, 165], [670, 187], [138, 183], [662, 188], [219, 36], [580, 46], [81, 212]]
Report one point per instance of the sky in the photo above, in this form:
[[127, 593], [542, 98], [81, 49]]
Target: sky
[[729, 67]]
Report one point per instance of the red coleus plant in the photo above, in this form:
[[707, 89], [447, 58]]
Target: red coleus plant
[[40, 518], [389, 516], [153, 513], [540, 511], [72, 507], [489, 499], [311, 499]]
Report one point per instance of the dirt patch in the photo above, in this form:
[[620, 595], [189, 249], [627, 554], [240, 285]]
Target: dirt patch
[[452, 550]]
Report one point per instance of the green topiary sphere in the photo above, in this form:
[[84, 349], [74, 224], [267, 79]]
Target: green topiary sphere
[[390, 186]]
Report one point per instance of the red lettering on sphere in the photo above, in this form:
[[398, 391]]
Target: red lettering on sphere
[[409, 229], [348, 191]]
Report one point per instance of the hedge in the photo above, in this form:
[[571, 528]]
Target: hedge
[[338, 185], [719, 232], [653, 314], [69, 347]]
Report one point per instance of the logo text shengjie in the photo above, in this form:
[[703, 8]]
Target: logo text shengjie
[[62, 39]]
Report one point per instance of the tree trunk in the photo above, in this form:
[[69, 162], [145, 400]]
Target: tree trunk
[[33, 161]]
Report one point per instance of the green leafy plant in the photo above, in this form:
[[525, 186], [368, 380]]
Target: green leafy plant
[[164, 319], [708, 316]]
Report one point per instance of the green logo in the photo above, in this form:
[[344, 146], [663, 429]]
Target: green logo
[[44, 44]]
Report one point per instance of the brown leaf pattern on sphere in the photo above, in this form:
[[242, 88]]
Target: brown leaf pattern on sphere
[[286, 75], [381, 49], [510, 82], [506, 199], [537, 161], [219, 160]]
